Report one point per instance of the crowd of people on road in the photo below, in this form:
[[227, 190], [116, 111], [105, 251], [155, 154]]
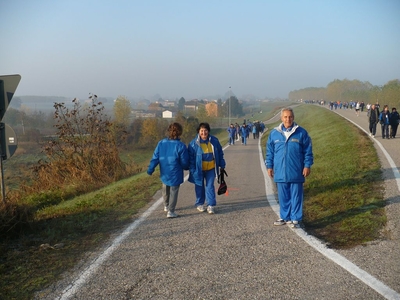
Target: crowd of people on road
[[389, 121], [237, 132], [358, 106], [288, 160]]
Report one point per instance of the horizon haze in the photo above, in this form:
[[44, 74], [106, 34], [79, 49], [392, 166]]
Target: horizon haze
[[196, 49]]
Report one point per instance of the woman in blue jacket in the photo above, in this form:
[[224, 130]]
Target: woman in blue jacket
[[172, 156], [289, 159], [206, 160], [384, 120]]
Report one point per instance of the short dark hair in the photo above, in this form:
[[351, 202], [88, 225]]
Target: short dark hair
[[204, 125]]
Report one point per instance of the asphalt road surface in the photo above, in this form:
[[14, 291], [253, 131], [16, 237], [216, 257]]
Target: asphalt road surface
[[236, 253]]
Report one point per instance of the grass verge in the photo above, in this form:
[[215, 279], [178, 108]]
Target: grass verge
[[61, 234]]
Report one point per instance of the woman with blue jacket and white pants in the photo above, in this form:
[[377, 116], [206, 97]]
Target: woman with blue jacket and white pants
[[172, 156], [206, 160], [288, 160]]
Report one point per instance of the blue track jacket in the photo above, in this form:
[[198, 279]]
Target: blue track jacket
[[288, 157], [195, 159], [172, 155]]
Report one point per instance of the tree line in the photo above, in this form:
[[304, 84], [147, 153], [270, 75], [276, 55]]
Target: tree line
[[352, 90]]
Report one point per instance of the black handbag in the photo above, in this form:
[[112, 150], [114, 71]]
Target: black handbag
[[222, 184]]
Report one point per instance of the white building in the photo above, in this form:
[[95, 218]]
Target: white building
[[167, 114]]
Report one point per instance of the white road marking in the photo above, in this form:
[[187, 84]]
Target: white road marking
[[395, 171], [71, 289], [365, 277], [83, 277]]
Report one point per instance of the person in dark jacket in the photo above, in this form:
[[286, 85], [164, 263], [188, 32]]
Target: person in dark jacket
[[172, 156], [373, 119], [384, 120], [206, 161], [289, 158], [394, 122]]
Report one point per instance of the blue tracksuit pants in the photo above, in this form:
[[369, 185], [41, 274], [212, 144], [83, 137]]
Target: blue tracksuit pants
[[207, 190], [290, 201]]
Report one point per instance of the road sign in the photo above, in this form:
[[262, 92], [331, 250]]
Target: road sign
[[8, 141], [8, 85]]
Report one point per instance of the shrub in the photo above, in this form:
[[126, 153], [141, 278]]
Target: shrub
[[84, 151]]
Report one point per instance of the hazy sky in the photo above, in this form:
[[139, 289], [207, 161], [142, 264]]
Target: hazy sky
[[194, 49]]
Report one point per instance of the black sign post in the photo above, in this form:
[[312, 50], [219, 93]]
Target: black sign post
[[8, 139]]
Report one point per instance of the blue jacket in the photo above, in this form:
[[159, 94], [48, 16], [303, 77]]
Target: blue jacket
[[244, 130], [172, 155], [231, 130], [384, 117], [288, 157], [195, 159]]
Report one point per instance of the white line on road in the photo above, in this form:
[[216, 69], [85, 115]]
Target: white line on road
[[83, 277], [71, 289], [365, 277], [395, 171]]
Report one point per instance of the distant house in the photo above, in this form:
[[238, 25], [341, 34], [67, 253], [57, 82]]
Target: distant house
[[191, 105], [143, 114], [168, 103], [155, 106], [167, 114]]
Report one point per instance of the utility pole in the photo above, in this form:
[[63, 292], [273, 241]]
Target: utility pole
[[229, 103]]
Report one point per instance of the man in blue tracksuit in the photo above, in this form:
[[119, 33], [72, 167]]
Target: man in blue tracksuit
[[288, 160]]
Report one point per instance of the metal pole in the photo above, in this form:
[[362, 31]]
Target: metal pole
[[229, 121], [3, 190]]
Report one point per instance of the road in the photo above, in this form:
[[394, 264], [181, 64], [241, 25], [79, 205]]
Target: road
[[236, 253]]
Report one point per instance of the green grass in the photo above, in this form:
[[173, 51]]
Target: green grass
[[343, 205], [80, 224], [344, 194]]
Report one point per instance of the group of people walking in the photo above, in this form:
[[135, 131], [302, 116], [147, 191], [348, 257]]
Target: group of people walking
[[288, 161], [237, 132], [389, 121], [203, 157]]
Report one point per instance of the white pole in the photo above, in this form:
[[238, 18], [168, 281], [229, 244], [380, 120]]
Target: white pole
[[229, 121]]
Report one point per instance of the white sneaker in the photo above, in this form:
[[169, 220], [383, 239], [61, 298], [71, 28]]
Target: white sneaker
[[165, 208], [295, 224], [200, 208], [172, 214], [210, 209], [280, 222]]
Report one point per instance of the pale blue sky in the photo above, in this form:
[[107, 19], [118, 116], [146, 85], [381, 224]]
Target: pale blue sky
[[195, 49]]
